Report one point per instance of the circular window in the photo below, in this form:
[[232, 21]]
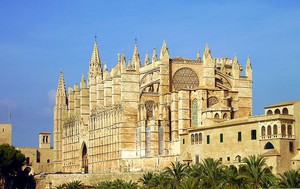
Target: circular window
[[185, 78]]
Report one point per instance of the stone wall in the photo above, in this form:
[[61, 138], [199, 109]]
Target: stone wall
[[52, 180]]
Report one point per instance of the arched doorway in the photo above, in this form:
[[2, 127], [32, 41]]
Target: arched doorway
[[84, 159]]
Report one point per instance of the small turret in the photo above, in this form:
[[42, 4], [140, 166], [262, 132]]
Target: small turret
[[249, 69], [164, 52], [198, 56], [82, 82], [136, 62], [123, 62], [235, 67], [207, 53], [106, 75], [154, 56], [147, 60]]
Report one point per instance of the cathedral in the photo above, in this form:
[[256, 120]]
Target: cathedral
[[142, 116]]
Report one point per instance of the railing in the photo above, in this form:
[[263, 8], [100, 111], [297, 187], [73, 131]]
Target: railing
[[266, 137]]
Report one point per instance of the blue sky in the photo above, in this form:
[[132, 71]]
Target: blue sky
[[37, 38]]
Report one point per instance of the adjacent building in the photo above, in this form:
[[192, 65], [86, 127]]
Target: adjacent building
[[5, 133]]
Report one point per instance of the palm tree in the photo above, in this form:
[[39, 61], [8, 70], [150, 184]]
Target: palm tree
[[71, 185], [230, 178], [160, 181], [145, 180], [177, 172], [289, 179], [211, 175], [189, 183], [256, 172]]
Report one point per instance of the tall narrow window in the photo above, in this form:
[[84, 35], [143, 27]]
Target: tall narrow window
[[207, 139], [283, 130], [275, 130], [200, 138], [269, 130], [263, 131], [195, 112], [192, 139], [289, 131], [196, 138], [239, 136], [197, 159], [253, 134], [221, 137]]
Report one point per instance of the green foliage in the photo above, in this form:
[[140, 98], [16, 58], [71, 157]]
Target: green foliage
[[256, 173], [117, 184], [253, 173], [71, 185], [11, 160], [290, 179]]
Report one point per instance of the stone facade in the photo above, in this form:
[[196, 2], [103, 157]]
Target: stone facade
[[135, 117], [5, 133]]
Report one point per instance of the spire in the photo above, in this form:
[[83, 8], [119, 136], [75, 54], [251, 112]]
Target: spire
[[235, 67], [249, 68], [123, 62], [235, 60], [61, 95], [207, 53], [136, 58], [95, 63], [82, 82], [147, 60], [61, 88], [154, 56], [164, 53], [198, 56]]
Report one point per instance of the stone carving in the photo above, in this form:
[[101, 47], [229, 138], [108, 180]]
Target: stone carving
[[212, 101], [185, 78]]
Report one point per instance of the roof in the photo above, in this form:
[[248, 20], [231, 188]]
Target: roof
[[271, 153], [283, 104]]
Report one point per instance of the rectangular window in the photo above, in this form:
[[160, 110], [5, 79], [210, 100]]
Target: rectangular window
[[228, 158], [221, 137], [239, 136], [183, 141], [291, 146], [197, 158], [207, 139], [253, 134]]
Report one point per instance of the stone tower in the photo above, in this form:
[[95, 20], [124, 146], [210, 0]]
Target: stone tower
[[60, 109], [44, 140]]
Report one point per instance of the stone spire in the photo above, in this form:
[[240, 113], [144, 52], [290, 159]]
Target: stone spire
[[147, 60], [82, 82], [164, 52], [198, 56], [95, 63], [154, 56], [207, 53], [61, 89], [135, 61], [249, 68], [235, 67], [123, 62]]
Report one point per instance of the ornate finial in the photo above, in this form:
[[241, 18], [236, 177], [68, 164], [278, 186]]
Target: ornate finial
[[135, 40], [95, 37], [61, 70]]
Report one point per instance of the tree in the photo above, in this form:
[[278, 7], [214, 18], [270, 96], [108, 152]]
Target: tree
[[177, 172], [256, 172], [145, 180], [230, 178], [290, 179], [11, 161], [211, 174]]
